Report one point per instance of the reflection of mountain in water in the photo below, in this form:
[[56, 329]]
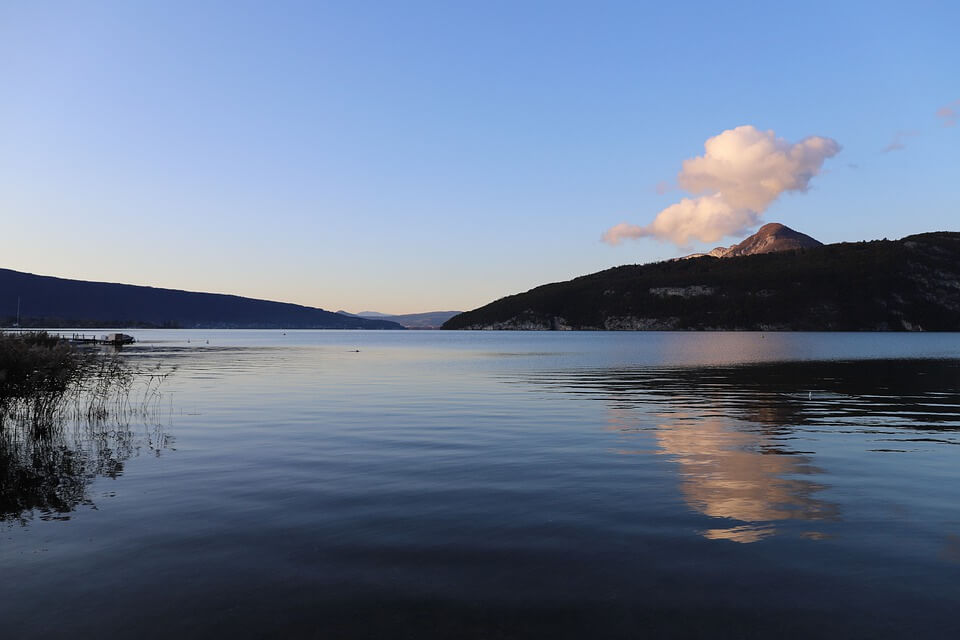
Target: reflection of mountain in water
[[910, 394], [732, 430], [49, 471]]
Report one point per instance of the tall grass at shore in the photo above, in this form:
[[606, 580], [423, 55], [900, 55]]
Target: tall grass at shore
[[44, 379], [65, 418]]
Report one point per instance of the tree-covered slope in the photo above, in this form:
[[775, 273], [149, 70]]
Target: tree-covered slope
[[57, 302], [908, 284]]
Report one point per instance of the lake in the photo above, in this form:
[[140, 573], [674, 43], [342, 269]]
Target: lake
[[421, 484]]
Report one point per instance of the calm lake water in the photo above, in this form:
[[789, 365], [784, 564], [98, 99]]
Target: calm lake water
[[500, 485]]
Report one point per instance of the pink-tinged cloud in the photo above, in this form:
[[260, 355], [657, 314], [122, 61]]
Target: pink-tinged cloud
[[742, 172], [663, 187], [949, 113], [899, 141]]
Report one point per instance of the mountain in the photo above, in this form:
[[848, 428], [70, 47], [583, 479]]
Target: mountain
[[57, 302], [882, 285], [768, 239], [427, 320]]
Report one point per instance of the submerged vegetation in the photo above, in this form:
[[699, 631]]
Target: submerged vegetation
[[47, 473]]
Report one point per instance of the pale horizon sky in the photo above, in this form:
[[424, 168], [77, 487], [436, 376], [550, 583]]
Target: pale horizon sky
[[417, 156]]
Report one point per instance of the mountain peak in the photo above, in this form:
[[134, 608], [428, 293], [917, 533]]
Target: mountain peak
[[769, 238], [772, 227]]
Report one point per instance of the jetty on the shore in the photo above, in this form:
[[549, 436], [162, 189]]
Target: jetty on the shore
[[114, 339]]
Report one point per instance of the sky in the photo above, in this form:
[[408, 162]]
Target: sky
[[414, 156]]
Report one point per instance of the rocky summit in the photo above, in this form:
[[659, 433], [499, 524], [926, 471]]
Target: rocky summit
[[769, 238]]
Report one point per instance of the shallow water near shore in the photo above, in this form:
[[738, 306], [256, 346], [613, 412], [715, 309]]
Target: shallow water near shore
[[483, 484]]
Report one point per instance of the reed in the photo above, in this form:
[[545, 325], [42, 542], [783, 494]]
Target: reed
[[66, 415], [46, 472], [45, 379]]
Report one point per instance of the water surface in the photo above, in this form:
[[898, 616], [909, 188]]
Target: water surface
[[486, 484]]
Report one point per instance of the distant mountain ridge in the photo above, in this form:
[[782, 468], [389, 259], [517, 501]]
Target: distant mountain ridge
[[46, 301], [910, 284], [769, 238], [426, 320]]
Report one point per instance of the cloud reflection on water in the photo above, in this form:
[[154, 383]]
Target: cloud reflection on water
[[735, 474], [740, 437]]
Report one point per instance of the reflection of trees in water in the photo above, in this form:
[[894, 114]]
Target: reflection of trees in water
[[730, 429], [48, 471], [922, 394]]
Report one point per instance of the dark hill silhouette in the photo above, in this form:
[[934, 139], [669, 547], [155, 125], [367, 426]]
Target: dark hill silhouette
[[883, 285], [57, 302]]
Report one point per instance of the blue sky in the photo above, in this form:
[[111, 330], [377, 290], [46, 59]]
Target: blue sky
[[408, 156]]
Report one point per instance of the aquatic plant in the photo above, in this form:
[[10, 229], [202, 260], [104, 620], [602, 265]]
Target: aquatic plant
[[45, 379], [65, 419], [47, 472]]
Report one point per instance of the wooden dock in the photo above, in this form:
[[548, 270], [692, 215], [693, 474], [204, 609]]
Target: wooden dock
[[112, 339]]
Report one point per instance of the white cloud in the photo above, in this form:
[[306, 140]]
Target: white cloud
[[742, 172]]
